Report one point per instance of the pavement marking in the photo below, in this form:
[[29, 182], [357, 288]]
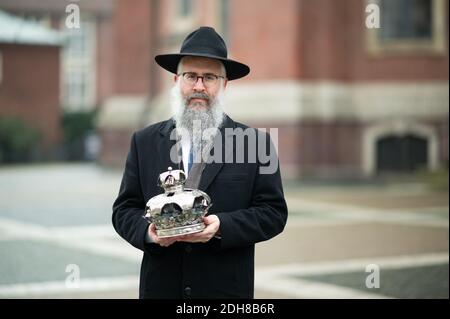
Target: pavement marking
[[348, 213], [102, 239], [276, 279], [60, 287], [280, 279], [305, 289], [98, 239]]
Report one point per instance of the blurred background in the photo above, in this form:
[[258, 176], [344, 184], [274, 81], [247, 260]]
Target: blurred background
[[359, 97]]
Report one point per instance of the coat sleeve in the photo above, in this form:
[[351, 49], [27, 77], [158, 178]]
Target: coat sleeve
[[267, 214], [129, 207]]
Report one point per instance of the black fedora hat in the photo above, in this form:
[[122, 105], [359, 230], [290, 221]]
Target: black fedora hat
[[204, 42]]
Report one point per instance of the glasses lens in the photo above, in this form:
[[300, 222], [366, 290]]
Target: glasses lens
[[190, 78], [210, 79]]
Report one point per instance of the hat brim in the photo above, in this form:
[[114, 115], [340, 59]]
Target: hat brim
[[235, 70]]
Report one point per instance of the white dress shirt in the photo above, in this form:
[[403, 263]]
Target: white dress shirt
[[185, 149]]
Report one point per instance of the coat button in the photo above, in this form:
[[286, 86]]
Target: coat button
[[188, 248], [187, 291]]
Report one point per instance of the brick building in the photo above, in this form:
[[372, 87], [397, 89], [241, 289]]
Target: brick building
[[86, 58], [347, 100], [29, 78]]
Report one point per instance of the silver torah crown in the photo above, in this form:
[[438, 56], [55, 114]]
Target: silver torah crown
[[179, 211]]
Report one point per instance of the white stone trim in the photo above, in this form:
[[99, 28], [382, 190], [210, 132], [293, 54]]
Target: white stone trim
[[288, 102], [397, 128], [123, 112], [387, 100]]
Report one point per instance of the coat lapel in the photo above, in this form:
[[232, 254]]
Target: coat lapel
[[164, 148], [212, 169]]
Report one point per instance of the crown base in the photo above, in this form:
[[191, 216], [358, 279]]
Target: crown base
[[178, 231]]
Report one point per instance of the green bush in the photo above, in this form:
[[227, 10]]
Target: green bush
[[17, 140], [76, 126], [436, 180]]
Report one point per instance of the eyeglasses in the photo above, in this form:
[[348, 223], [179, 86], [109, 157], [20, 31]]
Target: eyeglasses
[[209, 79]]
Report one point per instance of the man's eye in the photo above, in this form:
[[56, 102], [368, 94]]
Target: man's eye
[[210, 77], [190, 76]]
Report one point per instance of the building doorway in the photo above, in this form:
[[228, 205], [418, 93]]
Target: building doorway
[[401, 154]]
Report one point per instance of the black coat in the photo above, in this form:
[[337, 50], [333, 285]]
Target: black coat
[[251, 208]]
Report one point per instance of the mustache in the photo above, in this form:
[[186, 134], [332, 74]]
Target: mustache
[[198, 95]]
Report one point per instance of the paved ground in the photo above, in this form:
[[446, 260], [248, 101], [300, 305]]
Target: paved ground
[[372, 240]]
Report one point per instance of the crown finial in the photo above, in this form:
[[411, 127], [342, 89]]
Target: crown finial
[[172, 180]]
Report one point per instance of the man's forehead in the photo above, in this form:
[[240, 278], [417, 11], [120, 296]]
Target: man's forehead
[[200, 62]]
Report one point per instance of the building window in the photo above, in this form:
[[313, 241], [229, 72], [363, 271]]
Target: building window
[[1, 68], [405, 19], [409, 26], [79, 68], [224, 18], [184, 8], [183, 17]]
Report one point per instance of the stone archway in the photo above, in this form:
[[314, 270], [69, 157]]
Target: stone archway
[[415, 139]]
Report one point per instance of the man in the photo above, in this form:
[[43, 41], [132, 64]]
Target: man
[[248, 203]]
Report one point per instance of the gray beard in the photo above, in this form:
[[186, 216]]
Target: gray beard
[[200, 126]]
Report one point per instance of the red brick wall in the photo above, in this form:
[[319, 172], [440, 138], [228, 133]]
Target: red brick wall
[[265, 34], [330, 148], [115, 147], [132, 48], [412, 67], [318, 40], [30, 88], [309, 40], [333, 42], [288, 140], [325, 39], [105, 59]]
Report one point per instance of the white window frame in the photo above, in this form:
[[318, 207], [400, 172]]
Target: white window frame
[[434, 46], [181, 23], [76, 64], [1, 68]]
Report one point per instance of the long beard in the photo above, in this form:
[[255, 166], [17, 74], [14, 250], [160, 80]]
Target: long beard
[[199, 125]]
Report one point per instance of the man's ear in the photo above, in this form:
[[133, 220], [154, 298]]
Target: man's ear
[[225, 83], [175, 77]]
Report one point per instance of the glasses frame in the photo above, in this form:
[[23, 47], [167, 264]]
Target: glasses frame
[[200, 76]]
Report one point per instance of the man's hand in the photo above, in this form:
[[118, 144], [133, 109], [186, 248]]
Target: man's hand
[[164, 242], [212, 223]]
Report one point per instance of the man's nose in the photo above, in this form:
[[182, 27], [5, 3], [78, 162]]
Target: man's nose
[[199, 85]]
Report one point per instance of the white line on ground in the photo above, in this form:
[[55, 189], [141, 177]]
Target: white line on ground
[[304, 289], [331, 212], [100, 240], [279, 278], [60, 287]]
